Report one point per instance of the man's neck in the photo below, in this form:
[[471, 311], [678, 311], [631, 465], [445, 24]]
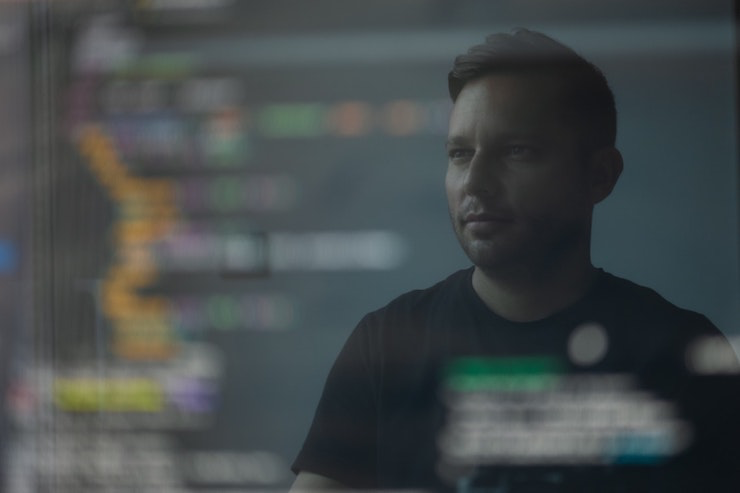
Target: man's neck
[[534, 294]]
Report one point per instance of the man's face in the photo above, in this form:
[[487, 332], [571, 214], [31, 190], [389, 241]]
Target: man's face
[[516, 182]]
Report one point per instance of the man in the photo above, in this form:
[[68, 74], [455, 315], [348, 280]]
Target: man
[[531, 150]]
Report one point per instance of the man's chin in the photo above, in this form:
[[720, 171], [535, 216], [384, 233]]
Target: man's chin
[[491, 257]]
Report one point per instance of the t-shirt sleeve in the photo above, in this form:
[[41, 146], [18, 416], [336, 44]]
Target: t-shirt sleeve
[[341, 442]]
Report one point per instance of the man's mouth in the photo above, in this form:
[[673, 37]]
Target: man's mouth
[[487, 217]]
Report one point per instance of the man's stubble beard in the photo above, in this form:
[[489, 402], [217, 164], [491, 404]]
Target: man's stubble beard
[[535, 250]]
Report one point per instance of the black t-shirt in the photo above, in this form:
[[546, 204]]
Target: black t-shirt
[[379, 416]]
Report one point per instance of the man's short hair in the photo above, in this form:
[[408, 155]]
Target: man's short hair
[[586, 91]]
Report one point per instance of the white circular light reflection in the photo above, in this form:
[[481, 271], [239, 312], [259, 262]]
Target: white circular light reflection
[[588, 344]]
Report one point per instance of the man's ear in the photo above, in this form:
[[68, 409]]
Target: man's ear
[[605, 166]]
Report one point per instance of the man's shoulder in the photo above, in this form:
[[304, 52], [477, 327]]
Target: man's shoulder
[[414, 308], [441, 292], [400, 327], [638, 301]]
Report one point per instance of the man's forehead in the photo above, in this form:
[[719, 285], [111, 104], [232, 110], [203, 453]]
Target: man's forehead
[[515, 93], [513, 101], [542, 85]]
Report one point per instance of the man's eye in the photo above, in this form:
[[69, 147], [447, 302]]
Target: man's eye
[[458, 154], [520, 151]]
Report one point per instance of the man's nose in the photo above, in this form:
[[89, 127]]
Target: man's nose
[[483, 176]]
